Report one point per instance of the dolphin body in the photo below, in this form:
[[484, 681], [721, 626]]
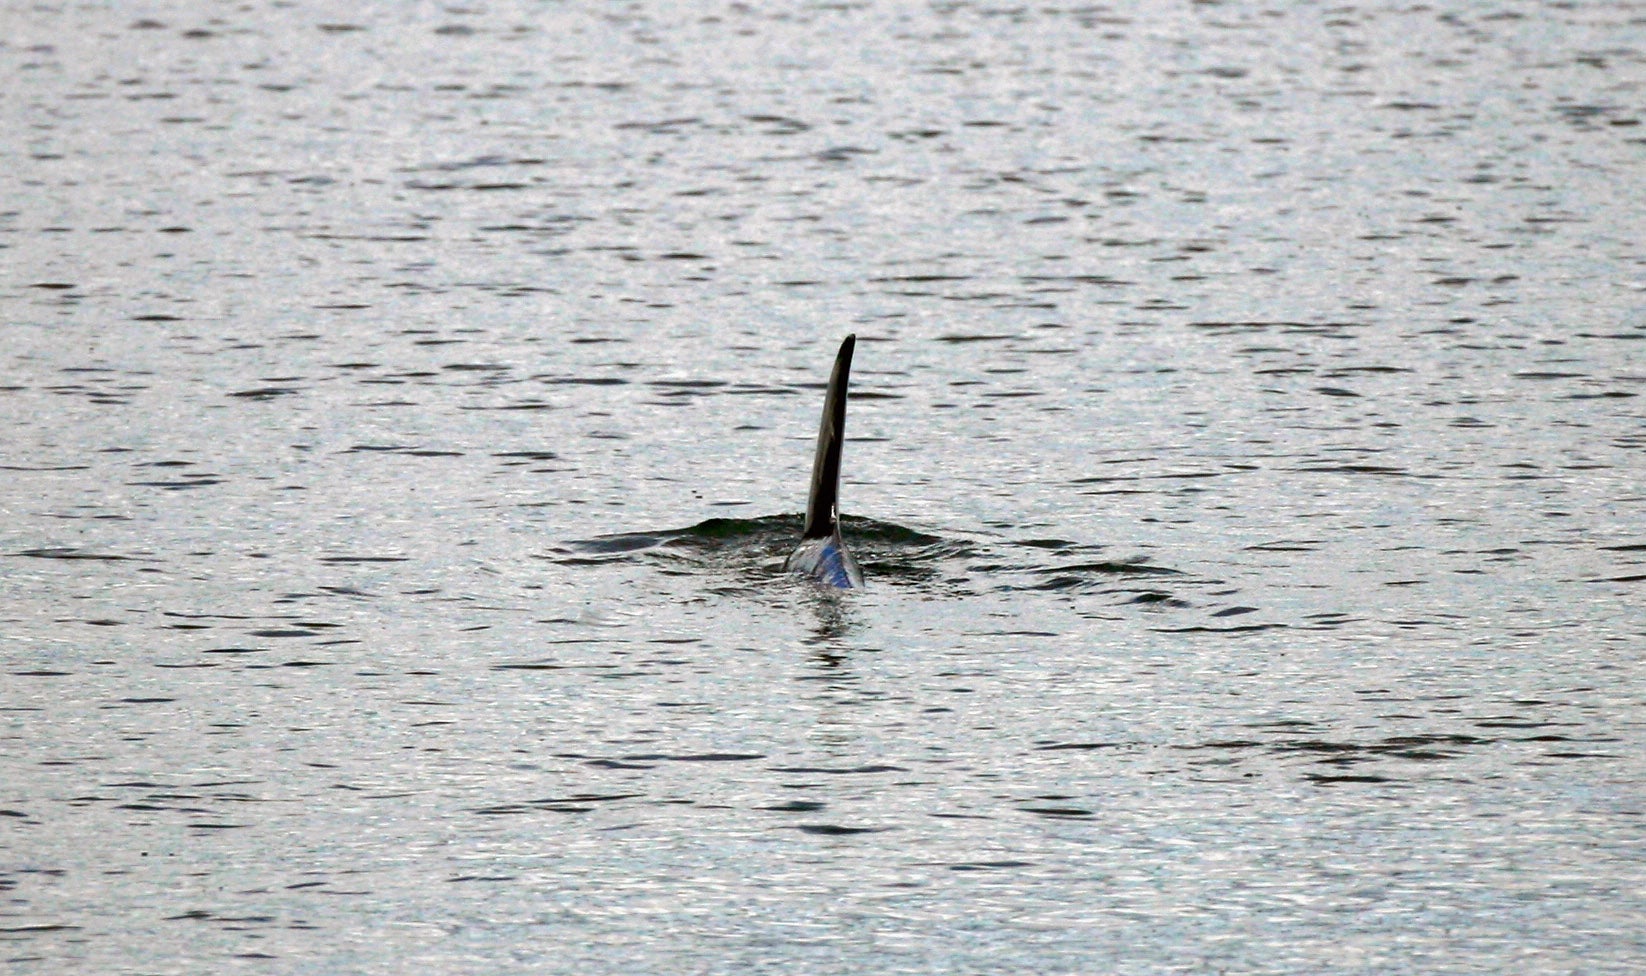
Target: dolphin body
[[822, 553]]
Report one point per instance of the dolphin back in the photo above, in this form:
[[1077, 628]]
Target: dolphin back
[[822, 553]]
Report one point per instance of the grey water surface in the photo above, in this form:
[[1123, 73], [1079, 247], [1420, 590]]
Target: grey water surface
[[408, 407]]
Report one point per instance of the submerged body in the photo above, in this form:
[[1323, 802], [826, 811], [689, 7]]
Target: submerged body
[[822, 553], [827, 561]]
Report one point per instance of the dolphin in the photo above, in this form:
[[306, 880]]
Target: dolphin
[[822, 553]]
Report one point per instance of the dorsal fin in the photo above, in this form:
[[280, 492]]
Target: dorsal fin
[[822, 505]]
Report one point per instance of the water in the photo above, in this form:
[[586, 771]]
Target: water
[[409, 409]]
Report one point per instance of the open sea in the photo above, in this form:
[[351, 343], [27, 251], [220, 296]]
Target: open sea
[[407, 409]]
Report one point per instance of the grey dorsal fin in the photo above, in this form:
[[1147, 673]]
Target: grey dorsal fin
[[822, 504]]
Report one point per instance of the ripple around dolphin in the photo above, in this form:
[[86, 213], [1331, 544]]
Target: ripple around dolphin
[[891, 554], [757, 548]]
